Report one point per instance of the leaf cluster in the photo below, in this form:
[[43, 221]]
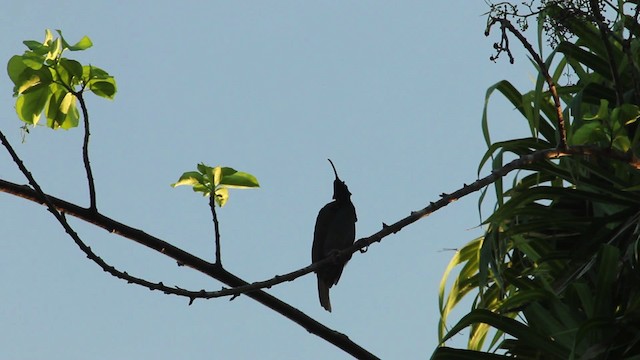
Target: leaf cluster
[[216, 181], [556, 274], [45, 81]]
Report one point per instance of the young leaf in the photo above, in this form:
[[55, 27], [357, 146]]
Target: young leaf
[[216, 181], [221, 196], [94, 72], [240, 180], [55, 50], [83, 44], [189, 178], [48, 37]]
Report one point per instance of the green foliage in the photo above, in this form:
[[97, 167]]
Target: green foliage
[[556, 274], [217, 181], [44, 81]]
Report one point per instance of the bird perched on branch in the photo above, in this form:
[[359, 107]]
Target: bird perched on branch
[[335, 230]]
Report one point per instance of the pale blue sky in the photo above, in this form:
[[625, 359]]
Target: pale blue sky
[[392, 92]]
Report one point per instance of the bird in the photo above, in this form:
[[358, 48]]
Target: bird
[[335, 230]]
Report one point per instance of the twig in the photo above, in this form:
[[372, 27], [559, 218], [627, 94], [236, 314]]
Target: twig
[[216, 228], [506, 24], [85, 152]]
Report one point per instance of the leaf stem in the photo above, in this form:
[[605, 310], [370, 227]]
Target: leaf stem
[[216, 228]]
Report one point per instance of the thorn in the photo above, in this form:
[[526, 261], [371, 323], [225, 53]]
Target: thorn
[[384, 226], [191, 300]]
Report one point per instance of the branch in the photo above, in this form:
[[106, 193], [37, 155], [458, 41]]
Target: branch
[[506, 24], [445, 199], [85, 151], [184, 258], [387, 230], [240, 286]]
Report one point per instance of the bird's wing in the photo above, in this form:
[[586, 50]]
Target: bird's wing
[[323, 221]]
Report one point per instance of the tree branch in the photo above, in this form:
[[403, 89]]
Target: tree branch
[[56, 206], [247, 288], [506, 24]]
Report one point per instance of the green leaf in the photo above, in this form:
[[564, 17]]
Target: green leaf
[[621, 143], [29, 106], [626, 114], [74, 69], [105, 88], [48, 37], [588, 133], [83, 44], [216, 175], [511, 327], [34, 82], [189, 178], [603, 111], [216, 180], [33, 60], [94, 72], [201, 188], [37, 47], [15, 68], [62, 111], [587, 58], [55, 50], [238, 179], [204, 169]]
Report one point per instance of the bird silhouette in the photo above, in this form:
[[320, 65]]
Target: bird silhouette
[[335, 230]]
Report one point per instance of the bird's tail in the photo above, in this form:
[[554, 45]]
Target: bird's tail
[[323, 294]]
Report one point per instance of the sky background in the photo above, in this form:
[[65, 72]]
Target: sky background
[[392, 92]]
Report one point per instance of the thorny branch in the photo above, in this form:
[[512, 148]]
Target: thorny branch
[[184, 258], [58, 207]]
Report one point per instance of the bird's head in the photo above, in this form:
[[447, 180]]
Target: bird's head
[[340, 189]]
